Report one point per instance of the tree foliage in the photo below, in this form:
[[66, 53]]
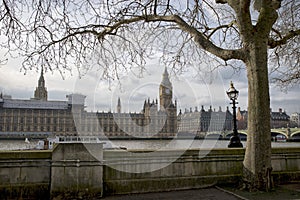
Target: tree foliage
[[113, 33], [284, 44]]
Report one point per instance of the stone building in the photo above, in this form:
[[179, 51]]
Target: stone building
[[278, 119], [242, 119], [39, 117], [199, 122], [295, 119]]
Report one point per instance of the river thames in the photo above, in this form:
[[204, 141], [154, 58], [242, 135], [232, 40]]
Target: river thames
[[148, 144]]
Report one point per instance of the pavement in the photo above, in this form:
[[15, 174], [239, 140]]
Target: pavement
[[287, 191], [290, 191], [212, 193]]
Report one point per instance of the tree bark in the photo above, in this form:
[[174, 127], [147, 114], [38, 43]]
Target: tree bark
[[257, 163]]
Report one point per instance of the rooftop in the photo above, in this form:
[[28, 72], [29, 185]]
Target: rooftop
[[33, 104]]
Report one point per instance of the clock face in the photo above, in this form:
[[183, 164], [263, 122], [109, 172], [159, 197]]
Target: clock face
[[167, 90]]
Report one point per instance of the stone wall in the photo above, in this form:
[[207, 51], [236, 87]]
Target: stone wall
[[165, 170], [134, 172], [286, 164], [25, 174], [77, 170]]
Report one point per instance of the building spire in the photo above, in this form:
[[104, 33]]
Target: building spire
[[165, 91], [41, 82], [119, 105], [40, 92], [166, 81]]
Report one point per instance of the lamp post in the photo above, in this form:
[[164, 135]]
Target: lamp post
[[235, 139]]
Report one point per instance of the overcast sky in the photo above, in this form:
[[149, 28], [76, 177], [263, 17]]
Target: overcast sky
[[190, 90]]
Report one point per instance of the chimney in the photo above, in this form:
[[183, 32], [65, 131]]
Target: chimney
[[280, 110]]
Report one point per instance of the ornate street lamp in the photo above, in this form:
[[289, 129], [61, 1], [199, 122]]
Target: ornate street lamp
[[235, 139]]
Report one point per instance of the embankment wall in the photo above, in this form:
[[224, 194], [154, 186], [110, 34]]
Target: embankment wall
[[88, 171]]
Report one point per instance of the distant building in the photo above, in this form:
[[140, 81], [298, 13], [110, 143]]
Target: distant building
[[242, 119], [201, 121], [278, 119], [295, 119], [39, 117]]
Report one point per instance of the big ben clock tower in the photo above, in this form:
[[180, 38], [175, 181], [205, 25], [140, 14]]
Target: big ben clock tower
[[167, 106], [165, 91]]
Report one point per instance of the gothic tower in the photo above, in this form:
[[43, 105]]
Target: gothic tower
[[119, 106], [167, 105], [40, 92], [165, 91]]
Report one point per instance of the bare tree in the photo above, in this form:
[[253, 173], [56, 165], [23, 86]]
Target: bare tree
[[119, 35]]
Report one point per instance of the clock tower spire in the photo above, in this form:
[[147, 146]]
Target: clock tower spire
[[165, 91]]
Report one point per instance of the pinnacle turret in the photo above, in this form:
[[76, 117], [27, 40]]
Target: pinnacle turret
[[119, 105], [165, 80], [40, 92]]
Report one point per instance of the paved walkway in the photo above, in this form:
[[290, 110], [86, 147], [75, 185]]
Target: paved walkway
[[195, 194], [282, 192]]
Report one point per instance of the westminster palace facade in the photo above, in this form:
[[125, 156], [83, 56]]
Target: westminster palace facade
[[39, 117]]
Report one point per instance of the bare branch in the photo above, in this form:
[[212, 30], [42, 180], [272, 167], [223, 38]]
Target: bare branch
[[199, 38], [291, 34], [221, 27]]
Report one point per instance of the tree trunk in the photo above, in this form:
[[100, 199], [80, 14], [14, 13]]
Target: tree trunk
[[257, 163]]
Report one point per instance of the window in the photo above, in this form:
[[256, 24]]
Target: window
[[7, 119]]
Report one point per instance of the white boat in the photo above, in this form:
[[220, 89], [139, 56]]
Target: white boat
[[49, 142]]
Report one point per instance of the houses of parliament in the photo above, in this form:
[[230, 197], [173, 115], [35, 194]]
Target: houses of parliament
[[40, 117]]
